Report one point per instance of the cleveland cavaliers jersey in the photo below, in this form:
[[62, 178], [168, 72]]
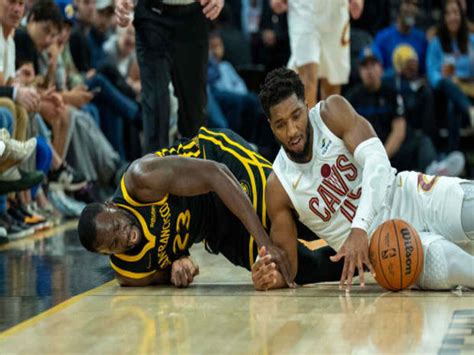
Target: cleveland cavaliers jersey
[[325, 191]]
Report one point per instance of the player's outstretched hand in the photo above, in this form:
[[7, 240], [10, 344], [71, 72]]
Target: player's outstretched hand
[[355, 252], [280, 258], [183, 272], [264, 272]]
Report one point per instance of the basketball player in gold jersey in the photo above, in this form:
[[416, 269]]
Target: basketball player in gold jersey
[[211, 189]]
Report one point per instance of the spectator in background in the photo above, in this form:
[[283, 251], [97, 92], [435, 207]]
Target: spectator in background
[[450, 66], [120, 50], [273, 44], [239, 106], [380, 104], [402, 32], [102, 24], [172, 45], [375, 16], [416, 93], [319, 39]]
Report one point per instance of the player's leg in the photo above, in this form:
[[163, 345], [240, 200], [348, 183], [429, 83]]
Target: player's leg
[[309, 76], [328, 89], [305, 45], [334, 65], [467, 209], [315, 265], [446, 265]]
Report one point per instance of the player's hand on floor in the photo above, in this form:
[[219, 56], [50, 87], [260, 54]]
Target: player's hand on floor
[[280, 258], [355, 252], [183, 272], [264, 272]]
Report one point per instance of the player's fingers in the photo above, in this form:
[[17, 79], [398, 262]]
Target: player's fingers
[[344, 273], [360, 268], [369, 265], [196, 270], [262, 251], [350, 274], [339, 255]]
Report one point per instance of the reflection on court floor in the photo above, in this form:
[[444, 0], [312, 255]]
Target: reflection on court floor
[[221, 313]]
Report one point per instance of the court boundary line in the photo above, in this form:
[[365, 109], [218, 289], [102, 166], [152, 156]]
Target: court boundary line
[[28, 323]]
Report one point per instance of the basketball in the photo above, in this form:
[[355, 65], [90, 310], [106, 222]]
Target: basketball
[[396, 254]]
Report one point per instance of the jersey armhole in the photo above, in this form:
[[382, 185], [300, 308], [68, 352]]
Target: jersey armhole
[[317, 119], [134, 203]]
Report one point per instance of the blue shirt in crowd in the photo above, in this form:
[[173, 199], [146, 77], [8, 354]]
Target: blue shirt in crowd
[[388, 39], [436, 58]]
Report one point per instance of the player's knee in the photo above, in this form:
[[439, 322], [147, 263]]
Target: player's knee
[[435, 275], [467, 210]]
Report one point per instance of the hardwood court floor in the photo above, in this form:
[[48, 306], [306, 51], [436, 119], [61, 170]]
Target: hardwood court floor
[[221, 313]]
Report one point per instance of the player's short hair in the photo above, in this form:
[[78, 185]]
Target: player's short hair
[[46, 10], [87, 228], [279, 85]]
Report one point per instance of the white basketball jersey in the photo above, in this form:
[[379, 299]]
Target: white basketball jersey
[[325, 192]]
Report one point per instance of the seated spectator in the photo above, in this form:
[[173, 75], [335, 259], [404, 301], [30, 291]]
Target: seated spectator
[[380, 104], [240, 107], [120, 51], [416, 93], [402, 32], [450, 67]]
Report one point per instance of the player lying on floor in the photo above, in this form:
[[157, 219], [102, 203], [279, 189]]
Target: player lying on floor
[[208, 189], [333, 172]]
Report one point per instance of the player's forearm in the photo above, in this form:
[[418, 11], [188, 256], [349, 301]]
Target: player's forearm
[[376, 174], [235, 199]]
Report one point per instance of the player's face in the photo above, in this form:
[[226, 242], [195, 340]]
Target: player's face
[[290, 124], [117, 231]]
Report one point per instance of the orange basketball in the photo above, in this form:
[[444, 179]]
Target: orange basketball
[[396, 254]]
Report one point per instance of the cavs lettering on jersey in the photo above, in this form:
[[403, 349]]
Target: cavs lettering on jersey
[[170, 226], [325, 192]]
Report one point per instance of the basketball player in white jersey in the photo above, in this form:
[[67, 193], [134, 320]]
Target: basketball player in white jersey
[[333, 174], [319, 38]]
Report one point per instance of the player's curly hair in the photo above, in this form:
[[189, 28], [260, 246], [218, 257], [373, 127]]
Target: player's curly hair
[[87, 228], [279, 85]]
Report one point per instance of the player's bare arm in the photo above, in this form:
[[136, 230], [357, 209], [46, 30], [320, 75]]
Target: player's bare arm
[[361, 140], [152, 178], [283, 231]]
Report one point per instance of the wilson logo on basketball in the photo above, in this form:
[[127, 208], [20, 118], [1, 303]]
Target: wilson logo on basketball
[[408, 249]]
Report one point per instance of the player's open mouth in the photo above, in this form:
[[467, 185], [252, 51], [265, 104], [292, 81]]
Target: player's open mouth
[[295, 142]]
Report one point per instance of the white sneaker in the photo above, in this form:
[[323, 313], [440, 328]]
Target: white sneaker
[[452, 165]]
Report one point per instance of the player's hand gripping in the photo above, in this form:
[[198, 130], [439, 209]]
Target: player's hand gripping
[[183, 272], [280, 258], [355, 252], [264, 272]]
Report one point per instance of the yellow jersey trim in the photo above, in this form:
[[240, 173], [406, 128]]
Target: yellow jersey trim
[[150, 237], [254, 161], [134, 203], [129, 274]]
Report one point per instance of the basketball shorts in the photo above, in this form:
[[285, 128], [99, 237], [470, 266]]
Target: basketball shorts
[[319, 33]]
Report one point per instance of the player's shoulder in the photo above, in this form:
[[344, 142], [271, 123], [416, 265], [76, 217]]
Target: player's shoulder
[[276, 194]]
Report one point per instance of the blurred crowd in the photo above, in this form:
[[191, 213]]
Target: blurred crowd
[[71, 105]]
